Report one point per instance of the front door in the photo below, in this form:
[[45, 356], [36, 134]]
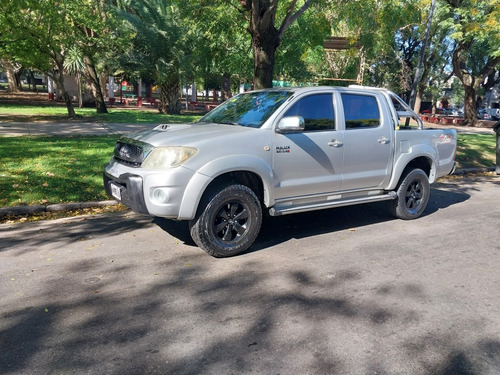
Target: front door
[[309, 162]]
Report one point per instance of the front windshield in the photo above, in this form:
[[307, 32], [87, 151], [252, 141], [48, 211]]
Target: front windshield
[[248, 109]]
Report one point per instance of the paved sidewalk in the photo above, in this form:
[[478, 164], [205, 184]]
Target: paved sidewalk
[[69, 128], [486, 129]]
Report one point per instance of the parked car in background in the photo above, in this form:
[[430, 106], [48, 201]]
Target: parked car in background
[[457, 112], [484, 114], [439, 111], [494, 113]]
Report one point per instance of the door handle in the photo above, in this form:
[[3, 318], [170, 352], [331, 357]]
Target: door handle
[[335, 143], [383, 140]]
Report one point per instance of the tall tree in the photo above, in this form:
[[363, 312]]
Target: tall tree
[[267, 33], [420, 66], [476, 31], [43, 42], [222, 52], [385, 31], [159, 46], [40, 33], [75, 65]]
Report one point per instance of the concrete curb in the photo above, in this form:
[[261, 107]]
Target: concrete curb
[[461, 172], [39, 208]]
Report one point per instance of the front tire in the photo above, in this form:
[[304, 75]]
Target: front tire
[[229, 222], [412, 195]]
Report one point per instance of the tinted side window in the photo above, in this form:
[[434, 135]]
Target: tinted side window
[[317, 111], [361, 111]]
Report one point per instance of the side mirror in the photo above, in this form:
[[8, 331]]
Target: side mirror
[[291, 124]]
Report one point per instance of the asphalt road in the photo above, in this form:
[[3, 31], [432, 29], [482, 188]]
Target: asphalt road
[[345, 291]]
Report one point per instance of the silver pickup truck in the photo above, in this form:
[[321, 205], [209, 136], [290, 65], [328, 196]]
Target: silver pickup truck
[[282, 151]]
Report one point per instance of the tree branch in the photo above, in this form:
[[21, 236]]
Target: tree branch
[[292, 17]]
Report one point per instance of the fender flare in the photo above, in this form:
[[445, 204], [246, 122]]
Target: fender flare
[[406, 158], [209, 172]]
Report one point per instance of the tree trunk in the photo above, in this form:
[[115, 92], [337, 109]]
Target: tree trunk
[[226, 87], [469, 82], [79, 88], [9, 71], [103, 80], [17, 78], [470, 117], [173, 98], [96, 85], [170, 102], [418, 102], [170, 95], [266, 37], [421, 90], [58, 78], [88, 100], [163, 102], [33, 81], [264, 50]]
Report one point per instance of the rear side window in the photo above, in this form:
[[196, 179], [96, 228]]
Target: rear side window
[[317, 111], [360, 111]]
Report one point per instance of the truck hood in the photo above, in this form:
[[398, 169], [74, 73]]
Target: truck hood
[[186, 134]]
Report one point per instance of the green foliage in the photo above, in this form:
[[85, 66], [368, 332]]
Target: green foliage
[[374, 25], [159, 44], [458, 93], [301, 58], [475, 30], [40, 34], [35, 32], [222, 44], [204, 40]]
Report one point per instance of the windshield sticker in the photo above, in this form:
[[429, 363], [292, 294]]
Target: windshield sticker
[[282, 149]]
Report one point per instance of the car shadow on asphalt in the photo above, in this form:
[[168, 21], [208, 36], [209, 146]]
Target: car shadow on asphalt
[[276, 230], [177, 229]]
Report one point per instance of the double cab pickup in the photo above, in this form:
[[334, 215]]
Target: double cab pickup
[[280, 151]]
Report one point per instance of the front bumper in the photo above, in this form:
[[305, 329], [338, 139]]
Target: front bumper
[[130, 191]]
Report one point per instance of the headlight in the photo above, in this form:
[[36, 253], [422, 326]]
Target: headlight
[[168, 157]]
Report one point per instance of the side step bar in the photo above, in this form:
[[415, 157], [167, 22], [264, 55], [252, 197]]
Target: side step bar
[[284, 210]]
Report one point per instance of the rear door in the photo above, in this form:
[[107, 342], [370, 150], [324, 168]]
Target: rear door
[[368, 148]]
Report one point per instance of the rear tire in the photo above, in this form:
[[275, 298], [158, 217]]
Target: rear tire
[[229, 222], [412, 195]]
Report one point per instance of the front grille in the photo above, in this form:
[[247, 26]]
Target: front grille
[[129, 154]]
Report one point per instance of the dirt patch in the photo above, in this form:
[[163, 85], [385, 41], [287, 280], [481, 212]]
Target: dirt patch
[[27, 98]]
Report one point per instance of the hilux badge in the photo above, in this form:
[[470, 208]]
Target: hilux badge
[[282, 149]]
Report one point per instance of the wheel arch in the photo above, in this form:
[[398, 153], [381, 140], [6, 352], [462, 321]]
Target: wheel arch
[[240, 177], [424, 162], [239, 169]]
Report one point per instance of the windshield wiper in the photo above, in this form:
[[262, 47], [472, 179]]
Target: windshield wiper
[[229, 123]]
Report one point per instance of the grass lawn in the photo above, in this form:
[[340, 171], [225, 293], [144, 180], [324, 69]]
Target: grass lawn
[[476, 150], [45, 170]]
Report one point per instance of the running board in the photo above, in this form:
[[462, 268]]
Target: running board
[[280, 210]]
